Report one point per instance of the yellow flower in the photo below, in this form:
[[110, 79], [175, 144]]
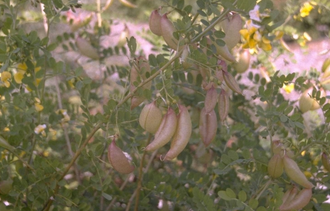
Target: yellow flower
[[52, 134], [305, 9], [6, 129], [18, 77], [38, 106], [254, 38], [64, 114], [5, 77], [21, 67], [288, 88], [40, 129]]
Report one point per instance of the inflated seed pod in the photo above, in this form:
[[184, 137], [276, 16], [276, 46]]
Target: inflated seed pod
[[208, 125], [290, 194], [325, 161], [276, 146], [243, 61], [168, 29], [275, 166], [154, 23], [150, 117], [224, 52], [210, 99], [231, 26], [298, 202], [165, 131], [118, 159], [293, 171], [86, 48], [223, 105], [182, 134], [6, 186], [231, 82]]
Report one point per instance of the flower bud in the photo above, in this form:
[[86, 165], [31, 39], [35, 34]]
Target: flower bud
[[275, 166], [86, 48], [154, 23], [293, 171], [210, 99], [231, 82], [118, 159], [208, 126], [150, 118]]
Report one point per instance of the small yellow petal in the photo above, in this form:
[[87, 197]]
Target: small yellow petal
[[38, 107], [5, 76], [18, 77], [288, 88], [21, 67]]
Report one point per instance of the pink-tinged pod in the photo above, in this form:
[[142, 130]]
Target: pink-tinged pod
[[290, 194], [231, 82], [165, 131], [208, 125], [182, 134], [325, 161], [243, 61], [219, 76], [210, 99], [154, 23], [231, 26], [118, 159], [86, 48], [275, 166], [223, 105], [298, 202], [293, 171], [150, 118], [168, 29]]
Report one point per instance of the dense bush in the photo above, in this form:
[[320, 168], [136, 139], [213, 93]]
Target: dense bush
[[86, 116]]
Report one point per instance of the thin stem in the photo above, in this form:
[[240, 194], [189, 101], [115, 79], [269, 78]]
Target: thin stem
[[139, 186], [264, 188], [115, 199]]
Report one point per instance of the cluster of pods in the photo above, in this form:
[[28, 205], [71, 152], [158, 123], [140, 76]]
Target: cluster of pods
[[281, 161]]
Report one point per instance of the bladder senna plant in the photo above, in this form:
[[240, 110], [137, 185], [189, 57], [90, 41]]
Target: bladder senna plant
[[154, 23], [86, 48], [208, 125], [231, 26], [210, 99], [298, 202], [275, 166]]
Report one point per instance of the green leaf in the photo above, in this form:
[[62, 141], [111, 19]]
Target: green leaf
[[223, 194], [107, 196], [242, 195], [230, 193]]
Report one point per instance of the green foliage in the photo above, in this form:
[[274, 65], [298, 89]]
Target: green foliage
[[60, 110]]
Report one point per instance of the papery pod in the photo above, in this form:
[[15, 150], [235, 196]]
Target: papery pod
[[293, 171], [184, 57], [122, 37], [154, 23], [208, 125], [325, 161], [86, 48], [223, 105], [168, 29], [210, 99], [326, 73], [128, 4], [150, 117], [325, 65], [165, 131], [290, 194], [275, 166], [77, 23], [298, 202], [231, 82], [6, 186], [207, 85], [182, 134], [231, 26], [306, 102], [219, 76], [118, 159], [243, 61], [139, 69]]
